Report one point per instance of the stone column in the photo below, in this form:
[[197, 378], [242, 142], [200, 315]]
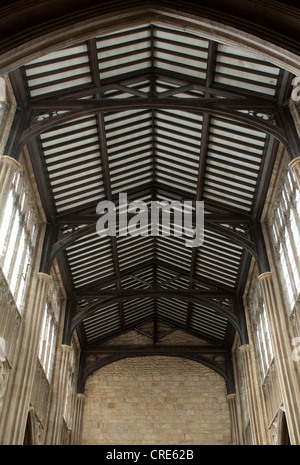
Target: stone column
[[8, 168], [295, 163], [235, 422], [294, 108], [283, 354], [256, 414], [54, 435], [15, 409], [295, 167], [77, 420]]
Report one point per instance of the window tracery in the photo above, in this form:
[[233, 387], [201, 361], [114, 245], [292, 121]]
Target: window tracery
[[286, 238], [50, 328], [18, 231], [261, 329]]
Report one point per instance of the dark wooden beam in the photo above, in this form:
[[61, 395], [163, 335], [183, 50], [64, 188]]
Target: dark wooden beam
[[69, 315], [154, 291], [230, 378], [218, 107], [292, 136], [105, 163], [22, 114], [108, 84], [197, 104], [42, 180], [243, 272], [181, 81], [210, 72], [261, 250], [112, 280], [210, 225], [82, 219], [153, 349], [107, 187], [19, 125], [200, 357], [50, 238], [240, 311], [264, 178], [235, 237], [167, 293], [97, 285]]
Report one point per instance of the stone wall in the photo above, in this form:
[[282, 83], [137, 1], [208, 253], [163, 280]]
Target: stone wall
[[156, 400]]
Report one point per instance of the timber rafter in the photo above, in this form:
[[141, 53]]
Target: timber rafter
[[213, 222], [227, 107], [156, 113]]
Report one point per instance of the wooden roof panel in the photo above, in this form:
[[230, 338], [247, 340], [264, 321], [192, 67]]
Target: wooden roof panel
[[241, 70], [153, 149], [121, 53], [59, 71]]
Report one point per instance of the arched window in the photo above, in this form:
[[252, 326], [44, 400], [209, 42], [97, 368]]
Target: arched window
[[18, 234], [261, 328], [50, 328], [3, 103], [286, 237]]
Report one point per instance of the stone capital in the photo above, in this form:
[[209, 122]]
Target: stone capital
[[66, 348], [44, 277], [265, 276], [7, 160], [295, 163], [244, 348]]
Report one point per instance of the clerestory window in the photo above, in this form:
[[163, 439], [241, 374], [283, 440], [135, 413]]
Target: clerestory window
[[18, 239], [286, 237], [261, 327], [50, 328], [3, 103]]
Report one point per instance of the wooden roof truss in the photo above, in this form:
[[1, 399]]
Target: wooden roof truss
[[158, 114]]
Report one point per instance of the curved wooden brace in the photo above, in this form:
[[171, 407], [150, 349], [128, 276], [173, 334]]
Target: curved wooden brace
[[234, 236], [63, 243], [227, 108], [222, 230], [116, 357], [233, 319]]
